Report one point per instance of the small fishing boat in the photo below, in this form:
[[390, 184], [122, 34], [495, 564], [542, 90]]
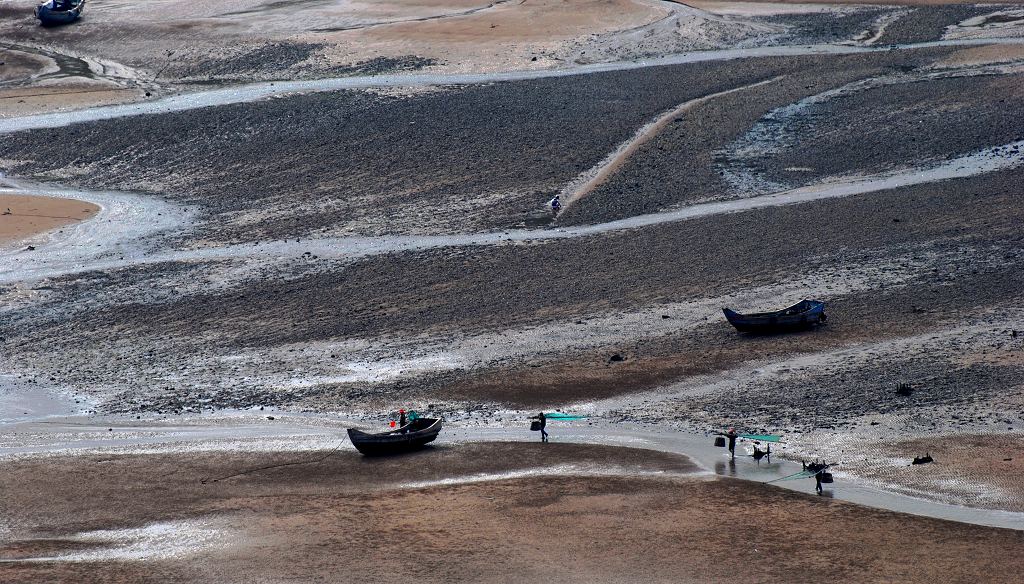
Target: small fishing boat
[[411, 436], [802, 315], [59, 11]]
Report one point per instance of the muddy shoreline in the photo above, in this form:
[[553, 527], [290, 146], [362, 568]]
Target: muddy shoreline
[[513, 522]]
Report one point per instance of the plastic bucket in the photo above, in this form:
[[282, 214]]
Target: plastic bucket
[[720, 441]]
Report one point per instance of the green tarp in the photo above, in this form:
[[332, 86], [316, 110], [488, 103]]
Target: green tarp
[[762, 437], [561, 416]]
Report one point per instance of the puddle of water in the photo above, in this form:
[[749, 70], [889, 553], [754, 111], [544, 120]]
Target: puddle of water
[[21, 402]]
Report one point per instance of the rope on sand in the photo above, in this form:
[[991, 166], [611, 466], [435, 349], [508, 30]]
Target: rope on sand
[[261, 468]]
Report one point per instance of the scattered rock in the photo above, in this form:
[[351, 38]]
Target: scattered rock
[[927, 458], [616, 358]]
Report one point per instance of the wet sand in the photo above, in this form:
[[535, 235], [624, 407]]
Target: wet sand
[[509, 35], [35, 80], [980, 470], [158, 518], [33, 215]]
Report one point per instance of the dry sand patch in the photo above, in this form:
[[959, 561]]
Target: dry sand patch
[[537, 20], [26, 101], [506, 36], [989, 54], [33, 215]]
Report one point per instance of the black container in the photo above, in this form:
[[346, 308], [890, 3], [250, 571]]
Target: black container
[[720, 441], [826, 477], [535, 425]]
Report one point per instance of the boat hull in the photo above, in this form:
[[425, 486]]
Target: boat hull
[[801, 316], [412, 437], [48, 15]]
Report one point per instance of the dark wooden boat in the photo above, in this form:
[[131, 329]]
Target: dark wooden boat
[[59, 11], [411, 436], [802, 315]]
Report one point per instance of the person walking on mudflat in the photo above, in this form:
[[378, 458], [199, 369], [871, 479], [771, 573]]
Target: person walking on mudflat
[[818, 468], [731, 435], [543, 421]]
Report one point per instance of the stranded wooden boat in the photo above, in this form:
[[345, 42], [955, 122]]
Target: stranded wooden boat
[[411, 436], [802, 315], [59, 11]]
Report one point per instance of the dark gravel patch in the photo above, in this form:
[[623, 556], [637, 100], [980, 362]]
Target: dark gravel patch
[[480, 288], [927, 23], [893, 126], [382, 65], [285, 60], [248, 62], [474, 157], [681, 163], [827, 27], [367, 155], [931, 302], [484, 289], [830, 400]]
